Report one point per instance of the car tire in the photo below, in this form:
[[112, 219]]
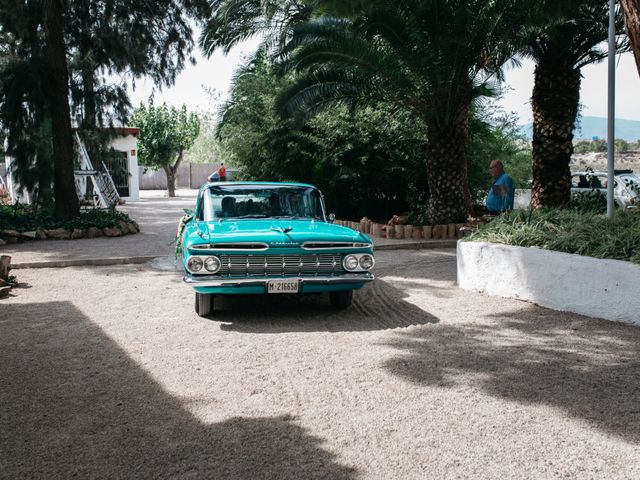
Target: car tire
[[341, 299], [204, 304]]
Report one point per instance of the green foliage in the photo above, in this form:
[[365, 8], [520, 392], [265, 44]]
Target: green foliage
[[494, 135], [366, 160], [165, 133], [205, 148], [24, 218], [586, 146], [570, 231], [600, 146], [588, 202]]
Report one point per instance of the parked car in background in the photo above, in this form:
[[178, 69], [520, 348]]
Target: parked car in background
[[270, 238], [626, 188]]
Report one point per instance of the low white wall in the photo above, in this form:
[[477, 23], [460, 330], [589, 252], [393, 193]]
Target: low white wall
[[608, 289]]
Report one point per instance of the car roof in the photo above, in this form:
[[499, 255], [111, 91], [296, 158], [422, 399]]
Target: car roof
[[271, 184], [616, 172]]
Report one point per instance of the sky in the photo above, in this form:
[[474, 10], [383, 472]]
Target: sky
[[216, 72]]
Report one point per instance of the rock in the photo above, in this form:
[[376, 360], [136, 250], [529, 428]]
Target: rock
[[58, 234], [4, 291], [40, 235], [94, 232], [132, 228], [6, 234], [5, 266], [78, 233], [29, 235], [137, 227], [10, 240], [2, 242], [111, 232]]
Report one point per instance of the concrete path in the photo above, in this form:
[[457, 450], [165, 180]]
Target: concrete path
[[158, 218]]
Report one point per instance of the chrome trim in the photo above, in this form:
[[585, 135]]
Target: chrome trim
[[231, 246], [214, 281], [329, 245]]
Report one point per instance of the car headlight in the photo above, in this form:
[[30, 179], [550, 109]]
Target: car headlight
[[212, 264], [195, 264], [350, 263], [367, 262]]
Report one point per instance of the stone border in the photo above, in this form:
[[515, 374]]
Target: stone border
[[123, 228], [574, 283]]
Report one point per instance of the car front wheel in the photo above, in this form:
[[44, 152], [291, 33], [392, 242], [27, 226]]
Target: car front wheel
[[204, 304], [341, 299]]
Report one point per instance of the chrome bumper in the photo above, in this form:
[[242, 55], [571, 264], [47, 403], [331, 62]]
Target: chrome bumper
[[213, 281]]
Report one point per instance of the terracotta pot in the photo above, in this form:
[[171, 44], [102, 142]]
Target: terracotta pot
[[427, 232]]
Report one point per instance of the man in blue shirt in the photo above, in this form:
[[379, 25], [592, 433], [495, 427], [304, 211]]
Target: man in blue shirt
[[502, 192]]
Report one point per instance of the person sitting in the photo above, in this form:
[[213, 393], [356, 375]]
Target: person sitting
[[214, 177], [501, 195], [228, 205]]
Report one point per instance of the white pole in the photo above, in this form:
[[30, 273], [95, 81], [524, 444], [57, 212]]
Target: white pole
[[611, 111]]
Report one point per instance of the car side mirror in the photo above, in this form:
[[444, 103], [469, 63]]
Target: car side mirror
[[332, 217], [188, 211]]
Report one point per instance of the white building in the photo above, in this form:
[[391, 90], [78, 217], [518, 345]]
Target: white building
[[123, 167]]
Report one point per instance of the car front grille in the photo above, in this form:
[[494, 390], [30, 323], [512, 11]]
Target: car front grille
[[279, 265]]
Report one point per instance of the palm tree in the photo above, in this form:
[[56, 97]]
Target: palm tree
[[631, 11], [436, 57], [560, 50], [233, 21]]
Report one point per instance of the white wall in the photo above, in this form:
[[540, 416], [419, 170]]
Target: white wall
[[606, 289], [129, 144]]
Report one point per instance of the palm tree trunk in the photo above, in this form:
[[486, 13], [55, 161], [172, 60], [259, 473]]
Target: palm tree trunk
[[556, 94], [631, 12], [66, 199], [449, 197]]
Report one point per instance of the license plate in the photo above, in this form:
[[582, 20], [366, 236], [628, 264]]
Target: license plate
[[282, 286]]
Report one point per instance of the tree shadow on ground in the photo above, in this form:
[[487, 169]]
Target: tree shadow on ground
[[75, 405], [589, 368], [377, 306]]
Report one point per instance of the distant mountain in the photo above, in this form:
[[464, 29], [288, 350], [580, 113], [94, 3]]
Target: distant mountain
[[589, 127]]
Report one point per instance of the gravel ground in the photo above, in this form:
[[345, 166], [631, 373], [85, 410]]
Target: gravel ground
[[108, 373]]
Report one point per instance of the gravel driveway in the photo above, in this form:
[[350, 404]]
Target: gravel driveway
[[108, 373]]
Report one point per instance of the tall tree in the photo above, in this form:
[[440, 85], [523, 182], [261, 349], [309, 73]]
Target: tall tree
[[437, 57], [560, 49], [100, 41], [66, 199], [631, 11], [165, 134]]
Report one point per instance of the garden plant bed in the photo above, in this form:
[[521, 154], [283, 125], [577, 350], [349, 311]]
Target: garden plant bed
[[568, 278], [23, 222]]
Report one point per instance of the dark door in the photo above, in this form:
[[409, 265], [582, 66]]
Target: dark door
[[117, 164]]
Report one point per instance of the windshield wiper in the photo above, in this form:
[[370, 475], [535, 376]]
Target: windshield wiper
[[256, 215]]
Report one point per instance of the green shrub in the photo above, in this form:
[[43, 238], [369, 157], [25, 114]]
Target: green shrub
[[570, 231], [24, 218]]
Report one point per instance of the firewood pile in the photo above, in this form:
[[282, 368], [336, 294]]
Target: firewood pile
[[6, 282], [398, 228]]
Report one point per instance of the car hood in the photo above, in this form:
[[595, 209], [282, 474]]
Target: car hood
[[274, 232]]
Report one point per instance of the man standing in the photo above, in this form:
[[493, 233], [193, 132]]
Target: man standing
[[222, 172], [502, 192]]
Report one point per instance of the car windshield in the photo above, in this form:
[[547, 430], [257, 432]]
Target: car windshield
[[262, 201]]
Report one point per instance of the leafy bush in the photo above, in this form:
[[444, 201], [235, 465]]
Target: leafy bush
[[588, 202], [24, 218], [570, 231]]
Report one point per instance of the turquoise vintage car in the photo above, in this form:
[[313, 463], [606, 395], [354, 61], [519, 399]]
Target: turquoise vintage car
[[270, 238]]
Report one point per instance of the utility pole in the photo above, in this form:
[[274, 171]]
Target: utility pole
[[611, 110]]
